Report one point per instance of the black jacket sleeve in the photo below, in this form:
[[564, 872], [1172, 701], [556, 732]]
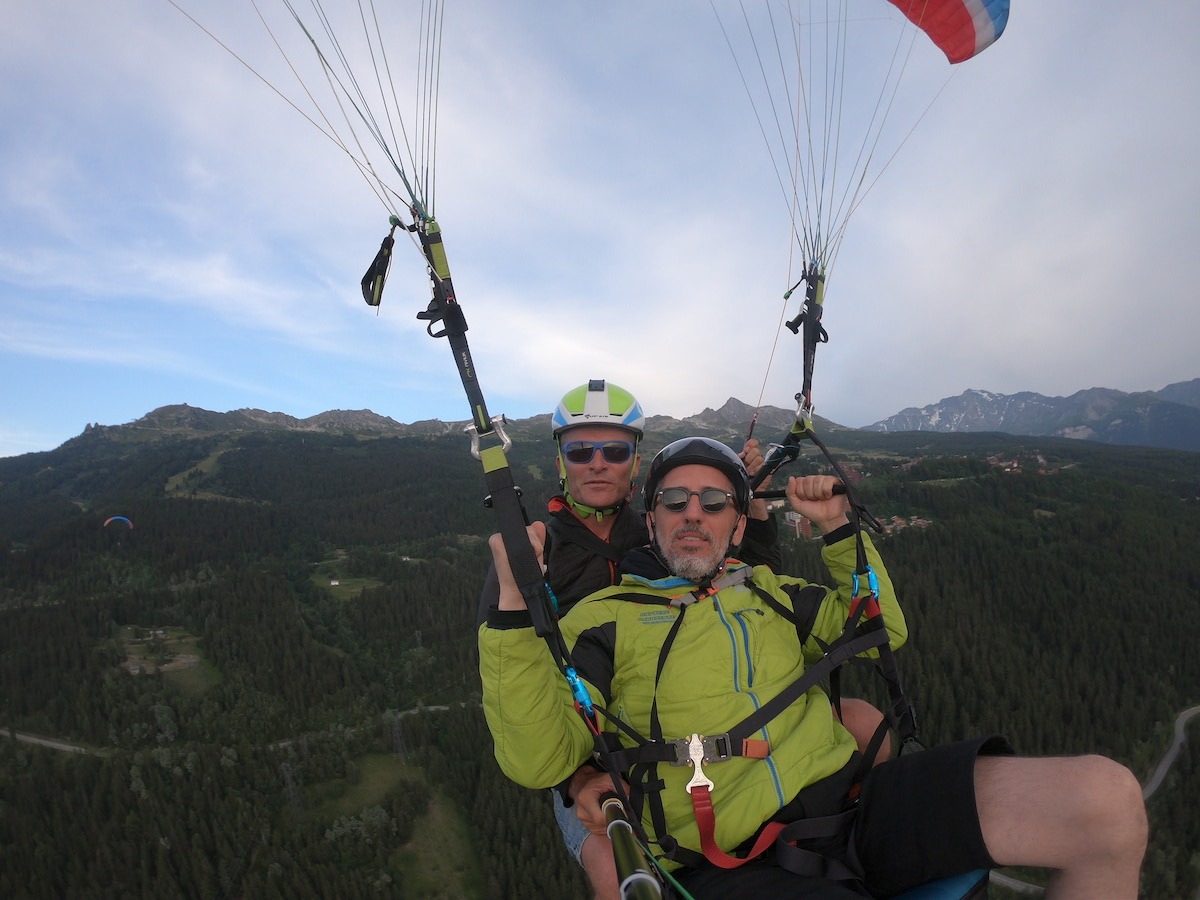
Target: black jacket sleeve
[[760, 544]]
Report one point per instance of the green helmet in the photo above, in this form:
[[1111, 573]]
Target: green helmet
[[599, 403]]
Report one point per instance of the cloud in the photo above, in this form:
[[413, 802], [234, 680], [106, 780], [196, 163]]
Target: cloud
[[609, 209]]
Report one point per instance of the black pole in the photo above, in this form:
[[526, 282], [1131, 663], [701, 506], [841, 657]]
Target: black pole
[[637, 879]]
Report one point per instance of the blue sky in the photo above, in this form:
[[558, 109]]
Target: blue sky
[[172, 232]]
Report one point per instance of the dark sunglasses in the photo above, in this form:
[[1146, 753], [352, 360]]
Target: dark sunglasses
[[581, 452], [676, 499]]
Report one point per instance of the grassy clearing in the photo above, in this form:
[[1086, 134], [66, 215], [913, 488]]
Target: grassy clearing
[[329, 574], [378, 774], [177, 484], [196, 679], [344, 588], [438, 861], [172, 651]]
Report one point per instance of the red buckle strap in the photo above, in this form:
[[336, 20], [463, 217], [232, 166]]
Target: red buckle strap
[[700, 787], [872, 610], [707, 820]]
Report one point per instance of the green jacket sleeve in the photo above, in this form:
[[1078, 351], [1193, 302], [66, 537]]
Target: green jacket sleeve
[[539, 738], [840, 558], [760, 544]]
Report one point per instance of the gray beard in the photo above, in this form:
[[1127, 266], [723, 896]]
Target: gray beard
[[694, 567]]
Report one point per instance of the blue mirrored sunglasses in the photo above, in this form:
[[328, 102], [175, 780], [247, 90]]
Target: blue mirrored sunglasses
[[676, 499], [581, 452]]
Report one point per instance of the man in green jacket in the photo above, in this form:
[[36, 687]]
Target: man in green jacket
[[592, 525], [691, 643]]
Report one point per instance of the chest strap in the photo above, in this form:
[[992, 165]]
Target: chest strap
[[699, 749], [738, 741]]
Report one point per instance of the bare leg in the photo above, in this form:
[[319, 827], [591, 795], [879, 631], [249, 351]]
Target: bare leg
[[861, 719], [596, 857], [1081, 816]]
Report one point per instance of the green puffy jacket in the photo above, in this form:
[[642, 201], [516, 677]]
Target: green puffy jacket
[[731, 654]]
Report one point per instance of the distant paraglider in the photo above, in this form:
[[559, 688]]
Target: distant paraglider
[[120, 526]]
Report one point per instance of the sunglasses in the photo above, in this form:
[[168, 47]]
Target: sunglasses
[[581, 452], [676, 499]]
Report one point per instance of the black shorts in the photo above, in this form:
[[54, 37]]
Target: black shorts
[[916, 822], [917, 819]]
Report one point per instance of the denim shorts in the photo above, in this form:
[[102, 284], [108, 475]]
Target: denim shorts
[[573, 831]]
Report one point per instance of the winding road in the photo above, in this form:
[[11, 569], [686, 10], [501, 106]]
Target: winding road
[[1172, 754]]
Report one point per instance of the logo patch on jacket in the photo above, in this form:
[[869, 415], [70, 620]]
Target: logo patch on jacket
[[657, 617]]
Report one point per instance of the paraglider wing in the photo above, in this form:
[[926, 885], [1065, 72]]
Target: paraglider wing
[[112, 519], [960, 28]]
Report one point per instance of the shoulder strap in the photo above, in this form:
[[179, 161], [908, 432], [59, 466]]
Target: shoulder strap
[[806, 601]]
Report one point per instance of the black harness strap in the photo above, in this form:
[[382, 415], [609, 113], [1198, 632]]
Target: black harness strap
[[806, 602], [812, 862], [900, 714], [839, 652], [504, 496], [648, 780]]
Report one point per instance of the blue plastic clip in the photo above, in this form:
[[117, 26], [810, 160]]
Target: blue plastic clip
[[872, 583], [579, 691]]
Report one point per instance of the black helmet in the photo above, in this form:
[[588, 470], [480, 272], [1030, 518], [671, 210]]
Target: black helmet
[[699, 451]]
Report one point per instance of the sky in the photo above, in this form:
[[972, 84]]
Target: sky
[[172, 231]]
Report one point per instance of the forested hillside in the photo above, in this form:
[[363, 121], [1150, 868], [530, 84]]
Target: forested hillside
[[271, 677]]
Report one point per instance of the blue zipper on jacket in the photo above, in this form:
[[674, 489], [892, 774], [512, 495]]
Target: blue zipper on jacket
[[749, 692]]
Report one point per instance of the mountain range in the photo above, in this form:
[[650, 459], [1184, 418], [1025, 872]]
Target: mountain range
[[1169, 419]]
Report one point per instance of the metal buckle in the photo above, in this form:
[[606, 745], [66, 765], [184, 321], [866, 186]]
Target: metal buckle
[[498, 423], [695, 747], [711, 748]]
